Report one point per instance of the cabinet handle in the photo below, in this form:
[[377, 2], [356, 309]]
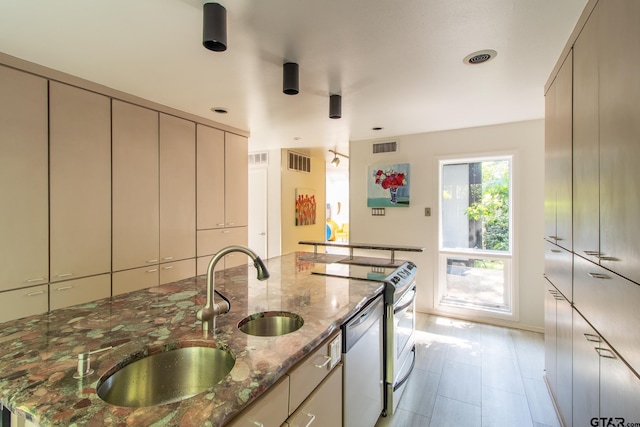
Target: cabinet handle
[[226, 231], [167, 258], [592, 338], [168, 267], [64, 288], [65, 275], [326, 362], [608, 353], [599, 276], [553, 237], [37, 279], [556, 251], [153, 270], [608, 258], [33, 294], [230, 223], [313, 418], [258, 423], [221, 225], [593, 253], [149, 261]]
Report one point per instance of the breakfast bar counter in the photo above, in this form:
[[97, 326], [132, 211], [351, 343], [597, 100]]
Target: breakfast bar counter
[[39, 354]]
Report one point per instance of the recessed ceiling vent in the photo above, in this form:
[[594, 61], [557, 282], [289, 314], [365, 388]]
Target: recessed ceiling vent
[[480, 57], [298, 162], [385, 147], [258, 159]]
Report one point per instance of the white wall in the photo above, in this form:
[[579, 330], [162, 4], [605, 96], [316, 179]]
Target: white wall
[[409, 226]]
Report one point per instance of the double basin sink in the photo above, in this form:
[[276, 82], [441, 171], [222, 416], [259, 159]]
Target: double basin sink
[[181, 373]]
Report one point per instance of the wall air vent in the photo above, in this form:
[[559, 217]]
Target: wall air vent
[[258, 159], [298, 162], [385, 147]]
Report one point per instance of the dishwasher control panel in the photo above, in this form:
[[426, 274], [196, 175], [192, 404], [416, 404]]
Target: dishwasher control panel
[[335, 351]]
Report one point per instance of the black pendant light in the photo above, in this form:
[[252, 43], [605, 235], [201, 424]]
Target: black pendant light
[[214, 27], [290, 78], [335, 106]]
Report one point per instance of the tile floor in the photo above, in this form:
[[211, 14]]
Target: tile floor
[[474, 375]]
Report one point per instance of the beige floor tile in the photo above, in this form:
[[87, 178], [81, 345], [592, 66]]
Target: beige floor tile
[[461, 381], [402, 418], [453, 413], [503, 409], [542, 410], [502, 373], [420, 394]]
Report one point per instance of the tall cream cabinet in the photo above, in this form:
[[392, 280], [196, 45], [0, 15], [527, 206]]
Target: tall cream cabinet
[[80, 182], [223, 179], [177, 189], [236, 180], [595, 273], [136, 199], [24, 228]]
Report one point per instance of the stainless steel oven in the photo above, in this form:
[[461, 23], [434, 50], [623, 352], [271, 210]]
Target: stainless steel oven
[[399, 319]]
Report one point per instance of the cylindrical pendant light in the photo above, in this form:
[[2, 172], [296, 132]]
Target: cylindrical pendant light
[[335, 106], [290, 78], [214, 27]]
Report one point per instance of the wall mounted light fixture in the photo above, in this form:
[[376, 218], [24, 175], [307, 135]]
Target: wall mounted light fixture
[[290, 78], [335, 106], [336, 160], [214, 27]]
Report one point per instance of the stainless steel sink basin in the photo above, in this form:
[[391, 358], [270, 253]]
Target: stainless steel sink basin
[[270, 323], [166, 377]]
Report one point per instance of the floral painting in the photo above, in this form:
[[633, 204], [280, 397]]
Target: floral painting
[[305, 206], [388, 186]]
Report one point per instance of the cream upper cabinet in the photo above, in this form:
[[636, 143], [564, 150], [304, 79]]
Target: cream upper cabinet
[[586, 171], [558, 142], [177, 189], [223, 179], [619, 102], [236, 180], [135, 186], [210, 177], [80, 182], [24, 222]]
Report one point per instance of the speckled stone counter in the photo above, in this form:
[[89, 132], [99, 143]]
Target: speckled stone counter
[[38, 354]]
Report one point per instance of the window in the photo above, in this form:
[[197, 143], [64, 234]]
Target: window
[[475, 254]]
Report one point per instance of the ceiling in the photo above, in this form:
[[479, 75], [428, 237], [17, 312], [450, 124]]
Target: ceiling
[[397, 64]]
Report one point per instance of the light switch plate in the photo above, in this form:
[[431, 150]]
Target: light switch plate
[[335, 351]]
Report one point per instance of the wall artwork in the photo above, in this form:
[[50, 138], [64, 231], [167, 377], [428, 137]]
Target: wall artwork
[[388, 186], [305, 206]]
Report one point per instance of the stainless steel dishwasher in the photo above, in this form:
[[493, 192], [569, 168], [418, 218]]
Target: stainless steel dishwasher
[[362, 357]]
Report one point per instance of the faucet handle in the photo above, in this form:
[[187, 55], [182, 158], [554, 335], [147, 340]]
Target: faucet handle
[[84, 362]]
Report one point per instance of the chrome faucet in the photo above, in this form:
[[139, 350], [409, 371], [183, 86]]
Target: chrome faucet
[[208, 313]]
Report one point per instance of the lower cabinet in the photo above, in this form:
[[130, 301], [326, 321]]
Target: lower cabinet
[[558, 350], [323, 408], [310, 394], [79, 291], [133, 280], [178, 270], [619, 391], [23, 302], [586, 371]]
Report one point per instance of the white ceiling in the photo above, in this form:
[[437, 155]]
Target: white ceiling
[[397, 64]]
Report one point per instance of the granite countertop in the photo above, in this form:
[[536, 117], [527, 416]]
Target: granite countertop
[[38, 354]]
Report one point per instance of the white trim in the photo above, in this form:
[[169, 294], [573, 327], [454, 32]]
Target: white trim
[[510, 258]]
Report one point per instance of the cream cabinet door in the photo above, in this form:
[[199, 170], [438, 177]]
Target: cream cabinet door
[[79, 291], [211, 241], [270, 410], [23, 302], [136, 279], [80, 182], [619, 97], [179, 270], [135, 186], [24, 221], [323, 408], [177, 189], [236, 181], [210, 177]]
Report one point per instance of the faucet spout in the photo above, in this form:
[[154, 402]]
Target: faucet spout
[[208, 313]]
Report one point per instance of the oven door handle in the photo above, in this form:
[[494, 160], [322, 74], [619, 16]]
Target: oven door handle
[[406, 377], [403, 306]]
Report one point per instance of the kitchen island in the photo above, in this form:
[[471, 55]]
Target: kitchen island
[[38, 354]]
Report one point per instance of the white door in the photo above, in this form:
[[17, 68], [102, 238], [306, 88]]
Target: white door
[[258, 211]]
